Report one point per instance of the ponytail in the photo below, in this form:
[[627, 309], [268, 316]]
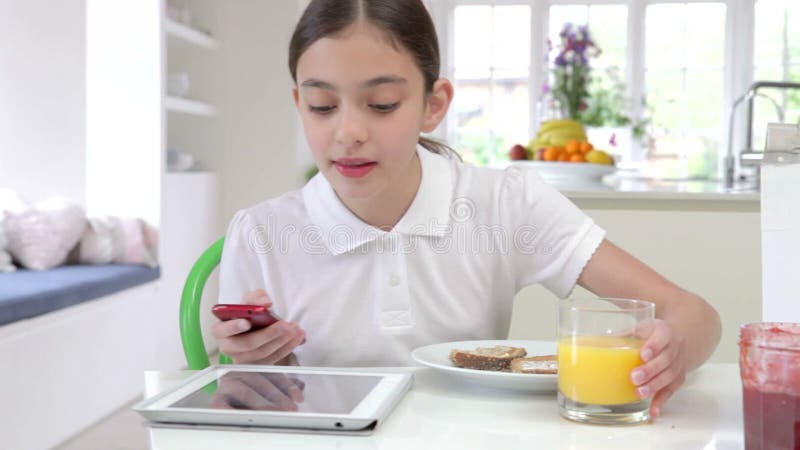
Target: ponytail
[[439, 148]]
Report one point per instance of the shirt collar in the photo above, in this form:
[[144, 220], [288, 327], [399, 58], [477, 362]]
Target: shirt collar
[[428, 215]]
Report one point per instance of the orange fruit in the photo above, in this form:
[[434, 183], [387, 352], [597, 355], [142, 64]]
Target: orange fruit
[[577, 158], [573, 147], [552, 153], [586, 147], [564, 157]]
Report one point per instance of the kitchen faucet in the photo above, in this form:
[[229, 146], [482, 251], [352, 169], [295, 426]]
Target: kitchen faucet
[[749, 156]]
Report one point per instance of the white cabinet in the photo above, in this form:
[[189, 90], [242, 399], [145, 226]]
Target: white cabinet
[[190, 200], [191, 52]]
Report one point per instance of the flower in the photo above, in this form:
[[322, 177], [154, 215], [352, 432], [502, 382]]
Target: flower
[[571, 69]]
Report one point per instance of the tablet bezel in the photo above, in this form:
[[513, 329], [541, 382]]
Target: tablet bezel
[[373, 408]]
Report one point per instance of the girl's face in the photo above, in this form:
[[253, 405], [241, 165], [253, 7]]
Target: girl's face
[[363, 105]]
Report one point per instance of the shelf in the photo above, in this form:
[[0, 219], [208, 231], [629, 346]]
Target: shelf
[[188, 35], [182, 105]]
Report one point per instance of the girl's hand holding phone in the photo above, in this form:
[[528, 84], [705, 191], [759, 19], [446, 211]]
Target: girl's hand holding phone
[[272, 345]]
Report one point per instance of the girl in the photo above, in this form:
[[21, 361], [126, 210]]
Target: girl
[[395, 243]]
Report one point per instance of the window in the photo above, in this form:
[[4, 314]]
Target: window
[[776, 57], [684, 81], [490, 72], [677, 59]]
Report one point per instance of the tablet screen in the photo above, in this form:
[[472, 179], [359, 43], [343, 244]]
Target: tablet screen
[[282, 391]]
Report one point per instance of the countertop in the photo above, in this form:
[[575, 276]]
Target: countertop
[[584, 184], [613, 187], [444, 412]]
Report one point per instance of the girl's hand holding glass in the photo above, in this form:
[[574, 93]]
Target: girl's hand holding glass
[[272, 345], [664, 368]]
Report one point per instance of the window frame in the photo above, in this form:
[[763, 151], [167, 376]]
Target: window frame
[[738, 60]]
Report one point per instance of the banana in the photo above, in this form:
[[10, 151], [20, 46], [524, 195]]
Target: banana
[[559, 138], [556, 133], [561, 124], [537, 143]]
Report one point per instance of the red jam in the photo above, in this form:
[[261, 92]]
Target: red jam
[[770, 366]]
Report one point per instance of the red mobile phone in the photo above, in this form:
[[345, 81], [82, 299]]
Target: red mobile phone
[[258, 315]]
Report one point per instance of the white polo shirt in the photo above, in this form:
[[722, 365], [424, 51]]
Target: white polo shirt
[[449, 270]]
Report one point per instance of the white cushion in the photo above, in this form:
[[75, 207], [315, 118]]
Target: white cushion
[[110, 239], [41, 236], [5, 257]]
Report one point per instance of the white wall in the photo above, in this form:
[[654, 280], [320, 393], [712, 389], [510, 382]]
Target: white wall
[[42, 98], [258, 148], [123, 108]]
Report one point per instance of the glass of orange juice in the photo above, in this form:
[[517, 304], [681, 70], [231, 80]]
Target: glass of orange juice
[[599, 341]]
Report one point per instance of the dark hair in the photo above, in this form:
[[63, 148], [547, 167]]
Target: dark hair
[[406, 22]]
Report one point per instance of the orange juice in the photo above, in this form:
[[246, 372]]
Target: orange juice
[[596, 370]]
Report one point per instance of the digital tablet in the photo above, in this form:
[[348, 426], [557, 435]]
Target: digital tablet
[[279, 397]]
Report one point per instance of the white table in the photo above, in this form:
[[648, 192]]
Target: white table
[[443, 413]]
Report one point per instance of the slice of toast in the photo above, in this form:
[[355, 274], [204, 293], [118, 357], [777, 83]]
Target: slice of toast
[[545, 364], [487, 358]]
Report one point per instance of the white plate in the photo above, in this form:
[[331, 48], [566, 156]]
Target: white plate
[[562, 171], [437, 356]]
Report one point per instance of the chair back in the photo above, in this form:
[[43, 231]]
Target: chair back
[[191, 334]]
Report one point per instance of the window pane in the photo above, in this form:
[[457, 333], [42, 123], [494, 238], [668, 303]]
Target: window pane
[[609, 26], [472, 36], [793, 30], [704, 100], [471, 108], [510, 108], [777, 54], [769, 28], [777, 30], [491, 107], [664, 44], [664, 88], [471, 105], [511, 43], [767, 108], [474, 145], [770, 72], [684, 84], [705, 38]]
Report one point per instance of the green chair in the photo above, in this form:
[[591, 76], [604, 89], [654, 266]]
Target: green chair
[[191, 335]]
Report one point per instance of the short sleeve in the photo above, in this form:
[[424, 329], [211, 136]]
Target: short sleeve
[[240, 267], [552, 239]]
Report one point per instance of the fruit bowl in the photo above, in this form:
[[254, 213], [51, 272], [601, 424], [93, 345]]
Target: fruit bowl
[[567, 172]]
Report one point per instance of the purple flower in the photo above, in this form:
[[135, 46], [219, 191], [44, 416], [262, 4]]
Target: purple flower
[[545, 88], [565, 30], [571, 67], [571, 37]]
